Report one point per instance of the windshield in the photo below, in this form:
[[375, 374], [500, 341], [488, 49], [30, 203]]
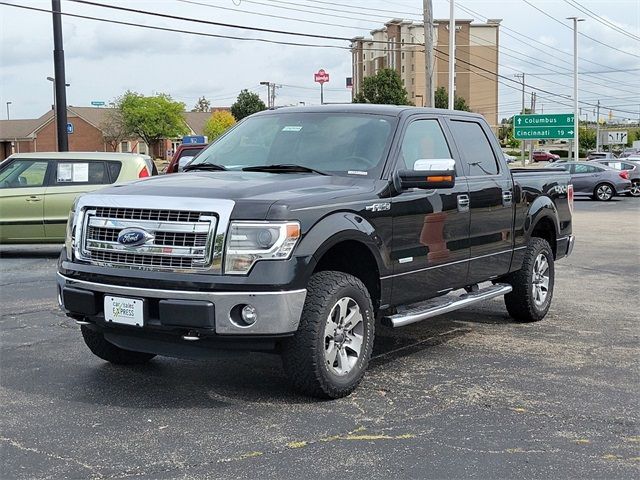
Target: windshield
[[336, 143]]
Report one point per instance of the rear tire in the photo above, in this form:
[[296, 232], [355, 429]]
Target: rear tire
[[106, 350], [328, 355], [603, 192], [530, 299]]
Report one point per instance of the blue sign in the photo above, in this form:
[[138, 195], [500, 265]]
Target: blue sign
[[189, 139], [69, 128], [98, 103]]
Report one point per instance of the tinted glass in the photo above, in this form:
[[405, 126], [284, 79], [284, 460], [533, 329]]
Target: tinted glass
[[23, 173], [423, 139], [578, 168], [474, 148], [74, 173], [114, 170], [338, 143]]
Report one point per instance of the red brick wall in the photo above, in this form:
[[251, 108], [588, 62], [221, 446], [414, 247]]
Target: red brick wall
[[85, 137]]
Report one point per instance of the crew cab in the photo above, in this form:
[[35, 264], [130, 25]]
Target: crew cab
[[300, 228]]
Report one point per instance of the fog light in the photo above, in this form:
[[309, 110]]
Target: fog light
[[249, 314]]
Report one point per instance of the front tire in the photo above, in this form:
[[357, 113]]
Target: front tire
[[106, 350], [603, 192], [530, 299], [328, 355]]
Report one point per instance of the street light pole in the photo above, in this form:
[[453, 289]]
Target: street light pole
[[576, 118], [521, 75], [8, 116], [452, 53], [427, 13]]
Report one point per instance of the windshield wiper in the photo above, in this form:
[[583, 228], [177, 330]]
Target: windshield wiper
[[204, 166], [283, 168]]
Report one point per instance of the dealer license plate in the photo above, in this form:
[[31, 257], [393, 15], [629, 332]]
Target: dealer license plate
[[126, 311]]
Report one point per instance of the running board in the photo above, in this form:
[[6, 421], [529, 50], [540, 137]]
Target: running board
[[439, 305]]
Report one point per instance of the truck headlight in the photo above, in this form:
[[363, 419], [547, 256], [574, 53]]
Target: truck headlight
[[249, 242], [71, 231]]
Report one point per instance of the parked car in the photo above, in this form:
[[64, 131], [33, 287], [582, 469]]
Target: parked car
[[631, 167], [509, 158], [183, 155], [298, 228], [597, 181], [38, 189], [542, 156], [601, 156]]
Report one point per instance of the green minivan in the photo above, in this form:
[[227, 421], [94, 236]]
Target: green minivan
[[37, 190]]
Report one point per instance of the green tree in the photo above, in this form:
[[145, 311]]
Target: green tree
[[113, 129], [384, 87], [247, 104], [442, 100], [218, 123], [202, 105], [152, 118], [587, 139]]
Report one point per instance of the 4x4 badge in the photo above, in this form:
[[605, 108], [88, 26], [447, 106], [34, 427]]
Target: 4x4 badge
[[378, 207]]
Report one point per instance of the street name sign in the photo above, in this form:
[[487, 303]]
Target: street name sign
[[538, 127], [98, 103]]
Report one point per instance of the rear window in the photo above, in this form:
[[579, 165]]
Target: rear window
[[114, 170], [79, 173]]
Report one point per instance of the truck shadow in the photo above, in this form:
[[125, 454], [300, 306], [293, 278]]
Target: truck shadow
[[30, 251]]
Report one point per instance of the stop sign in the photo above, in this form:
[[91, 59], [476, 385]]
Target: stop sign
[[321, 76]]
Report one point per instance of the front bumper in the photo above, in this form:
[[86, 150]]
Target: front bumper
[[213, 313], [570, 245]]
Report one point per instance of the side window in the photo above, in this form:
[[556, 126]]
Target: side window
[[579, 168], [475, 148], [114, 170], [23, 174], [423, 139], [80, 173]]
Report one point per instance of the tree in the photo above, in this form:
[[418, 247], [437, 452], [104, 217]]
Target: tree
[[113, 129], [202, 105], [247, 104], [587, 139], [152, 118], [219, 122], [442, 100], [384, 87]]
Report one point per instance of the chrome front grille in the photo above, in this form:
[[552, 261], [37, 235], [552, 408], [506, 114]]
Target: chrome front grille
[[176, 240]]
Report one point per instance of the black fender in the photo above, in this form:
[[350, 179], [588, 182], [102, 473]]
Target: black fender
[[541, 208]]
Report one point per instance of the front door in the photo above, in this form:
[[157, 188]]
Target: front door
[[491, 200], [430, 227], [22, 187]]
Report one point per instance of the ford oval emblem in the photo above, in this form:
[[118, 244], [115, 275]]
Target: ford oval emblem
[[133, 237]]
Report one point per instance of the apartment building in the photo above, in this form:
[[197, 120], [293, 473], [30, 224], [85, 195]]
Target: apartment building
[[400, 45]]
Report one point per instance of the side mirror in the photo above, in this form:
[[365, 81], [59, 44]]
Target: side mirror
[[183, 162], [427, 174]]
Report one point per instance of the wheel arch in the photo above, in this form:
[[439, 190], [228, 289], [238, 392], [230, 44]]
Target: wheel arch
[[542, 222]]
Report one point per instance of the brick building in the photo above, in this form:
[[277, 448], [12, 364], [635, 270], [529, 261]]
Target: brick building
[[476, 68], [39, 135]]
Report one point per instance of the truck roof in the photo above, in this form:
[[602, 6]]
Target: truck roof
[[368, 108]]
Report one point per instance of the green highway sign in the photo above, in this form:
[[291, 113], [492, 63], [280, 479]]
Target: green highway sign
[[536, 127]]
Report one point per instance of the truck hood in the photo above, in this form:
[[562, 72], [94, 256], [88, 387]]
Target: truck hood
[[253, 192]]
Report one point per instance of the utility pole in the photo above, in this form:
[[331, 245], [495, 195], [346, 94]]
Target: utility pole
[[452, 54], [58, 64], [427, 14], [271, 94], [598, 126], [576, 118], [521, 75]]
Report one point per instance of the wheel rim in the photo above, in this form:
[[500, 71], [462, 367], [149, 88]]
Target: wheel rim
[[343, 336], [540, 279], [635, 188], [604, 192]]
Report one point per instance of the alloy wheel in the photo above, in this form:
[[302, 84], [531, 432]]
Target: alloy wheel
[[635, 188], [604, 192], [343, 336], [540, 283]]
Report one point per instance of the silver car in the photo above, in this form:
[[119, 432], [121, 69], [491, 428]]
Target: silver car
[[595, 180], [633, 169]]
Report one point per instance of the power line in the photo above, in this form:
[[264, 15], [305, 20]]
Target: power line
[[295, 6], [602, 20]]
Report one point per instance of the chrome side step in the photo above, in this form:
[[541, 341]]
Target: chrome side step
[[439, 305]]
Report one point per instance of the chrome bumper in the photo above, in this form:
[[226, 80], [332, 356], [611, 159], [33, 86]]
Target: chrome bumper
[[278, 312]]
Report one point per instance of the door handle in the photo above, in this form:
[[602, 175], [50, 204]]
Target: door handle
[[507, 197], [463, 203], [34, 199]]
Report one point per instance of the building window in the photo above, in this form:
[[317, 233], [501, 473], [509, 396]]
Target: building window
[[402, 69], [124, 147], [402, 55], [413, 67], [413, 81], [364, 68], [142, 148]]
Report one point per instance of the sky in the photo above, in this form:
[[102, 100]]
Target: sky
[[104, 59]]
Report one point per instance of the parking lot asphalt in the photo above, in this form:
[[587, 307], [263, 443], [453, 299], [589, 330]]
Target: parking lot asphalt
[[469, 394]]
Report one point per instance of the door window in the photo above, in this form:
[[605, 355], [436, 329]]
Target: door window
[[24, 173], [81, 173], [423, 140], [579, 168], [475, 148]]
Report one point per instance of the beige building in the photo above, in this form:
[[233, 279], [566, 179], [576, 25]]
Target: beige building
[[393, 46]]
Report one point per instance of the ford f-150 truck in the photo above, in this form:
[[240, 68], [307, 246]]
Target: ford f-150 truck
[[301, 229]]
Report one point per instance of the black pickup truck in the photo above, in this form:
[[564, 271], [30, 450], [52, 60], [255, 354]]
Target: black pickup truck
[[301, 228]]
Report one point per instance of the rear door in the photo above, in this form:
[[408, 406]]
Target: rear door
[[69, 179], [430, 227], [22, 188], [491, 199], [583, 178]]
